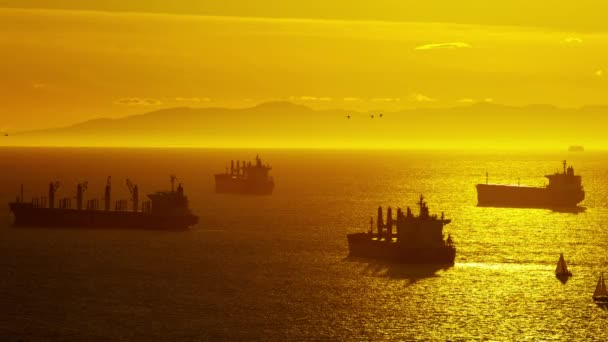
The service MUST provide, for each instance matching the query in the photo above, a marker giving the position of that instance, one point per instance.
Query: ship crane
(85, 186)
(134, 190)
(130, 186)
(53, 187)
(173, 179)
(108, 194)
(80, 189)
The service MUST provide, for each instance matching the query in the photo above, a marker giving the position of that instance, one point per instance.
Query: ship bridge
(565, 179)
(169, 202)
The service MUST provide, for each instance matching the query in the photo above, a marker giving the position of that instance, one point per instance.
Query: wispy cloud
(351, 99)
(417, 97)
(310, 98)
(453, 45)
(466, 100)
(136, 101)
(192, 99)
(469, 100)
(599, 73)
(386, 99)
(573, 40)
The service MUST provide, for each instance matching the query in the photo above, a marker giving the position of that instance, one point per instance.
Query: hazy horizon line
(446, 148)
(158, 108)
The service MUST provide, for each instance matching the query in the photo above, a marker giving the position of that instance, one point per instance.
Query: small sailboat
(600, 295)
(561, 271)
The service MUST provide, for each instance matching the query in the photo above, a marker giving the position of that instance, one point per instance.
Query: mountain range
(289, 125)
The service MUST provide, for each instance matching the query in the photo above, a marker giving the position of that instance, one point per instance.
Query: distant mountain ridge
(285, 124)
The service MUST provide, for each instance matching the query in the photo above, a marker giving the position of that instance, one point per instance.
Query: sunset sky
(67, 61)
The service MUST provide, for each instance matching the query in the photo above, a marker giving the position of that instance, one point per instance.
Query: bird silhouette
(381, 115)
(348, 117)
(372, 116)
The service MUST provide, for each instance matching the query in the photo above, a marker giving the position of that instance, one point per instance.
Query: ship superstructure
(565, 189)
(415, 239)
(245, 178)
(163, 210)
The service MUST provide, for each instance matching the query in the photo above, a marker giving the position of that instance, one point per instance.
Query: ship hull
(229, 185)
(601, 299)
(363, 245)
(28, 216)
(523, 196)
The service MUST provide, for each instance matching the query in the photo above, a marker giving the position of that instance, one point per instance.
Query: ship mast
(80, 189)
(53, 187)
(134, 190)
(108, 193)
(379, 222)
(174, 178)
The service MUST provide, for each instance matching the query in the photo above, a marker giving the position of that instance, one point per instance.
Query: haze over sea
(277, 267)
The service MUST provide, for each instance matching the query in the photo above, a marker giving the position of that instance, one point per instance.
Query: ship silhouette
(163, 210)
(417, 239)
(245, 178)
(576, 148)
(564, 190)
(561, 270)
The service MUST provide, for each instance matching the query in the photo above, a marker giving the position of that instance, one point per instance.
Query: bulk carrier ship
(564, 190)
(245, 178)
(164, 210)
(417, 239)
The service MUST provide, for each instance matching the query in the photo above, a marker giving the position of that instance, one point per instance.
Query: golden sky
(64, 61)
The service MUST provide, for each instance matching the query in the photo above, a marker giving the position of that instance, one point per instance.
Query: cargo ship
(415, 240)
(245, 178)
(576, 148)
(565, 189)
(164, 210)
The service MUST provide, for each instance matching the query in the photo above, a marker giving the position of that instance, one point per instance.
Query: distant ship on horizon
(576, 148)
(164, 210)
(564, 190)
(245, 178)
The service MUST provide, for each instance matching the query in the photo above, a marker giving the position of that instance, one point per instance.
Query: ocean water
(277, 267)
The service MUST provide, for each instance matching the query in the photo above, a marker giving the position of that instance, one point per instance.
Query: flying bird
(348, 117)
(381, 115)
(372, 116)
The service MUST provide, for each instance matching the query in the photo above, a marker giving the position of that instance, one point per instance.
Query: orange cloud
(136, 101)
(455, 45)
